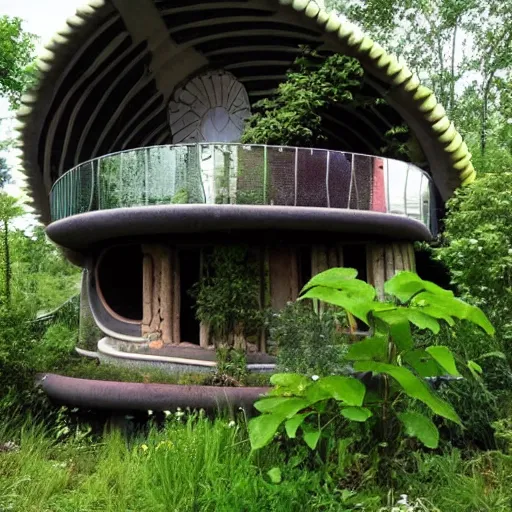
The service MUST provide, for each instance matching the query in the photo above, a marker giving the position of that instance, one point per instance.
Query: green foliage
(462, 50)
(478, 238)
(308, 342)
(292, 116)
(227, 295)
(231, 367)
(189, 465)
(411, 300)
(16, 53)
(56, 346)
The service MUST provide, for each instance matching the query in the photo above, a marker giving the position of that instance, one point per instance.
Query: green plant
(227, 295)
(477, 247)
(308, 342)
(56, 345)
(292, 116)
(231, 367)
(388, 353)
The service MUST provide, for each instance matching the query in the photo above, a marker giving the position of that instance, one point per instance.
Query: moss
(90, 369)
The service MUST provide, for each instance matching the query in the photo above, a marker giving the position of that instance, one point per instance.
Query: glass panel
(243, 174)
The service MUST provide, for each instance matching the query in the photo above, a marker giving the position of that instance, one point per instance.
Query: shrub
(227, 295)
(398, 399)
(308, 342)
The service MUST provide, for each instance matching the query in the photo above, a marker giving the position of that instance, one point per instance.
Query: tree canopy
(16, 55)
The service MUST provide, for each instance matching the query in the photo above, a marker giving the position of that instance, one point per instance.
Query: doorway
(190, 264)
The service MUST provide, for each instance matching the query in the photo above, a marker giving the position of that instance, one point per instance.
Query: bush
(307, 342)
(55, 347)
(477, 248)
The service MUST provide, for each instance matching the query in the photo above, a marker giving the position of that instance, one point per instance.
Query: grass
(196, 464)
(187, 466)
(90, 369)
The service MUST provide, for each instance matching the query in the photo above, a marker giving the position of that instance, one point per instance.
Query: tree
(5, 175)
(445, 42)
(16, 54)
(429, 35)
(9, 209)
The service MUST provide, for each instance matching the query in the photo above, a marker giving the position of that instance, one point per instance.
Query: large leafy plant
(388, 353)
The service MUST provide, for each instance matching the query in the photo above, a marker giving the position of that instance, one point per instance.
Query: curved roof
(107, 76)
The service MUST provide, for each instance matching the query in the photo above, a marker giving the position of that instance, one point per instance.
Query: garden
(393, 402)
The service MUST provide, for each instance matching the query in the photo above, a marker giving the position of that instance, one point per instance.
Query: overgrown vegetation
(307, 342)
(227, 296)
(292, 116)
(393, 403)
(191, 463)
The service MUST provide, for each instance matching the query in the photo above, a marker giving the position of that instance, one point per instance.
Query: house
(131, 145)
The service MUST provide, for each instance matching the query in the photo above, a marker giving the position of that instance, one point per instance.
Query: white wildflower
(231, 424)
(314, 377)
(150, 412)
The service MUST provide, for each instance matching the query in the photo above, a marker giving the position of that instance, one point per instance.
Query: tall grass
(193, 465)
(202, 465)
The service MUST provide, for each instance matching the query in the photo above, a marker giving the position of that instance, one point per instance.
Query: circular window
(119, 273)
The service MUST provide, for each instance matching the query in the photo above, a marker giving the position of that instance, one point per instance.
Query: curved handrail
(244, 174)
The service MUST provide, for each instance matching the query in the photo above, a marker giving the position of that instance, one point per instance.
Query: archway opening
(120, 281)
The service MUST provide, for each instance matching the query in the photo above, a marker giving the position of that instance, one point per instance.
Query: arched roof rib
(106, 78)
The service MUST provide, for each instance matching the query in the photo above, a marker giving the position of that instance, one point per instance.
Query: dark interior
(189, 275)
(120, 280)
(304, 265)
(354, 256)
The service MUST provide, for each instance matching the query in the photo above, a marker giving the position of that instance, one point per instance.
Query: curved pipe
(125, 396)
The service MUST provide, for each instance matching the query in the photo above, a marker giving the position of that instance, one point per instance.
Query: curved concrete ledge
(125, 396)
(105, 348)
(78, 232)
(87, 353)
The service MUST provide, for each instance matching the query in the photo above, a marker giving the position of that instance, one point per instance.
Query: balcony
(244, 175)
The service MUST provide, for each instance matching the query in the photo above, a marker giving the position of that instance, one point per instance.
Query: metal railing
(244, 174)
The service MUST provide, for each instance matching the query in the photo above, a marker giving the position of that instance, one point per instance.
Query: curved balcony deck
(236, 174)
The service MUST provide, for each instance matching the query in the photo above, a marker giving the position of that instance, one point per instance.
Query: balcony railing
(243, 174)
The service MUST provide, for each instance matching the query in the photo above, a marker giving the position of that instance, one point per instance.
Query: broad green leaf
(348, 389)
(262, 429)
(374, 348)
(418, 425)
(435, 312)
(351, 303)
(294, 382)
(316, 392)
(275, 475)
(412, 385)
(311, 435)
(282, 405)
(399, 328)
(294, 423)
(455, 308)
(422, 362)
(356, 413)
(421, 319)
(404, 285)
(331, 278)
(444, 357)
(475, 369)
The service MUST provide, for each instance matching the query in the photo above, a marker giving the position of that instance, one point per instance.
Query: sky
(43, 18)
